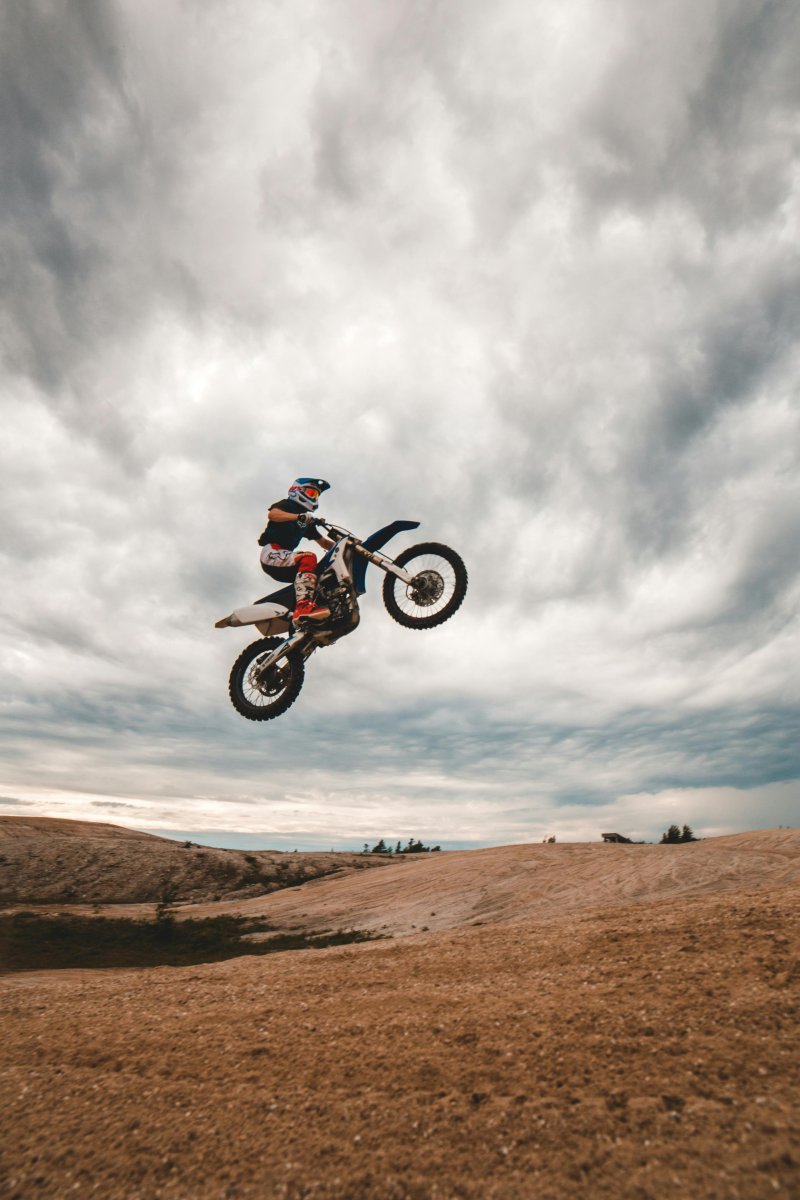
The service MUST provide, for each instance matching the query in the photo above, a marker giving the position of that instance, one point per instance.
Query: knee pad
(305, 562)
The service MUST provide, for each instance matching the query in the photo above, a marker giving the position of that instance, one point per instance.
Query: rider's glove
(306, 520)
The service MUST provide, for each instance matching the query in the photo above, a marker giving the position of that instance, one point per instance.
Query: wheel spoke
(432, 589)
(265, 690)
(260, 698)
(438, 583)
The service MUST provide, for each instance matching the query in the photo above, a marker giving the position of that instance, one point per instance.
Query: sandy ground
(577, 1020)
(517, 883)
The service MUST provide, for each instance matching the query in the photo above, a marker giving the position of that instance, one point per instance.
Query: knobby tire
(292, 667)
(396, 593)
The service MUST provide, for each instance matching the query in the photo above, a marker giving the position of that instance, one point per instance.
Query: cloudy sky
(525, 271)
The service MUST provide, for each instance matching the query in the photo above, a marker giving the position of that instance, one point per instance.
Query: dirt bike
(423, 587)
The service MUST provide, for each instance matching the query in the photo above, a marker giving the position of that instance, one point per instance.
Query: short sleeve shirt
(287, 534)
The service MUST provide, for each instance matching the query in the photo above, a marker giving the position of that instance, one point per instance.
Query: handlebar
(320, 522)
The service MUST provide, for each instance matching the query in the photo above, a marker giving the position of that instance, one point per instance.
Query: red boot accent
(309, 611)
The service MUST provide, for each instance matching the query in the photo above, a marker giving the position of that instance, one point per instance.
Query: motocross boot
(306, 608)
(309, 610)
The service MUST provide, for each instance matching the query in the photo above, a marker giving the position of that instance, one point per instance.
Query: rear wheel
(437, 589)
(259, 694)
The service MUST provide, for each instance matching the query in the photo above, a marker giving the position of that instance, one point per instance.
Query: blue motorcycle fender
(376, 541)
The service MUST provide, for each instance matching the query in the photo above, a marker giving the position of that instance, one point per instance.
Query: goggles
(312, 492)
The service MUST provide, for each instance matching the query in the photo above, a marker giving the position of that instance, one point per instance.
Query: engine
(341, 600)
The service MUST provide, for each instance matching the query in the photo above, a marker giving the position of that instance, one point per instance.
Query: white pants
(276, 556)
(305, 582)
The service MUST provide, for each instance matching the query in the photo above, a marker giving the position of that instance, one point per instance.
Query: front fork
(299, 641)
(384, 562)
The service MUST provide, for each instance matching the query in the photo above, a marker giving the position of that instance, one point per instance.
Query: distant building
(615, 837)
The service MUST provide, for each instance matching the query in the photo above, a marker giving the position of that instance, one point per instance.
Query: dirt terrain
(47, 860)
(516, 883)
(587, 1020)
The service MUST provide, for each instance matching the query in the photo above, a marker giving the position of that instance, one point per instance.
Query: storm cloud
(526, 273)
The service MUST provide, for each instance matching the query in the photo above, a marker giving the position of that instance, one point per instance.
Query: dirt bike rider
(289, 521)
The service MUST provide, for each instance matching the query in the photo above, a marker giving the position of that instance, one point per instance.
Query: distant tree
(674, 835)
(413, 846)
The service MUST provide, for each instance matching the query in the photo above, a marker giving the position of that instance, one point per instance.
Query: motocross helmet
(307, 492)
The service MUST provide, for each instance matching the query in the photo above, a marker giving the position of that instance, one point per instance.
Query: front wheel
(437, 589)
(258, 694)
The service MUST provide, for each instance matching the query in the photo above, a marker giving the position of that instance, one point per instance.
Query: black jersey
(287, 534)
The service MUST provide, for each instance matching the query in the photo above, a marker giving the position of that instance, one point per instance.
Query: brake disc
(426, 588)
(268, 682)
